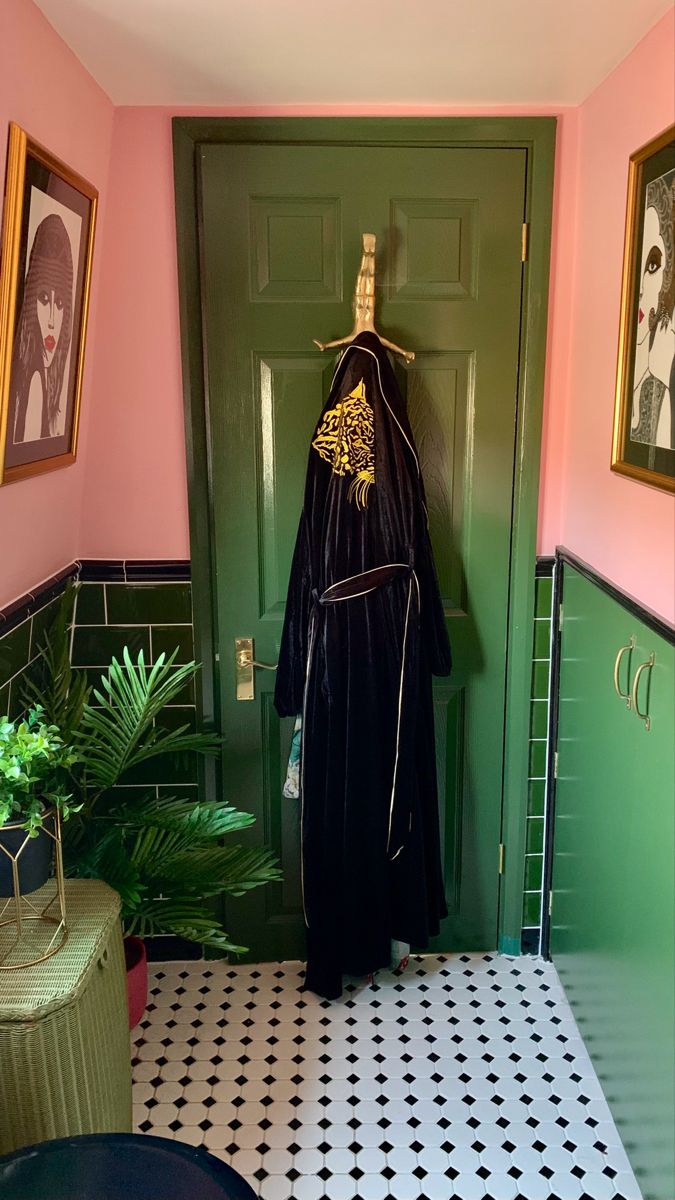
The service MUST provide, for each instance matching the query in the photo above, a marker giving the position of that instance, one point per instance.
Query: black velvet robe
(363, 633)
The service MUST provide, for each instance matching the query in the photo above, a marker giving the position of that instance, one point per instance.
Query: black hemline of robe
(364, 631)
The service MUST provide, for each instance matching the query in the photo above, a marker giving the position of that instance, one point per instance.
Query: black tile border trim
(134, 570)
(17, 612)
(648, 617)
(94, 570)
(543, 568)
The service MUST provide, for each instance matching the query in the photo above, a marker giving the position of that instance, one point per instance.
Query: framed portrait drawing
(644, 414)
(45, 272)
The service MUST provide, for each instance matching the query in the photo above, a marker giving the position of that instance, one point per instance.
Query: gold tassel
(359, 488)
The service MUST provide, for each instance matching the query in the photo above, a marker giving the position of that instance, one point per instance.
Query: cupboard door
(612, 929)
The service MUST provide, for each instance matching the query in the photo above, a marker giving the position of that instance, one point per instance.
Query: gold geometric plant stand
(33, 925)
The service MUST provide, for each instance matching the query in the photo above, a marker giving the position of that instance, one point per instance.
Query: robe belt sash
(351, 588)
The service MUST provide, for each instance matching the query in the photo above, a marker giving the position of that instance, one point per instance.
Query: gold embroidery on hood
(346, 439)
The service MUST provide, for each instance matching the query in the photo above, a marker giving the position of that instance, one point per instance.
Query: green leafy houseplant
(34, 771)
(164, 855)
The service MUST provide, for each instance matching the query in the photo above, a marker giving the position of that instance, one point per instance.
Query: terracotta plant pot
(137, 978)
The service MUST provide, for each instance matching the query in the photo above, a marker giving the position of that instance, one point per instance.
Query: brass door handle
(643, 667)
(617, 667)
(244, 662)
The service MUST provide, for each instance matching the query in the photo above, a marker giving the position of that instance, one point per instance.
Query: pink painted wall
(45, 89)
(135, 501)
(626, 530)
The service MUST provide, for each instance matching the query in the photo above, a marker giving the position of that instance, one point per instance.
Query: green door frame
(535, 135)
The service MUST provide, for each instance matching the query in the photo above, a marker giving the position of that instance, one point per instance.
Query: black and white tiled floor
(466, 1077)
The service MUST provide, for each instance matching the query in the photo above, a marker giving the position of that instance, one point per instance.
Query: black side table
(119, 1166)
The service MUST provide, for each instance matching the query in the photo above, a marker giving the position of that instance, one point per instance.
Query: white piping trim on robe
(310, 653)
(413, 578)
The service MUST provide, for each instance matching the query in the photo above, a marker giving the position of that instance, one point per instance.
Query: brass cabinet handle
(643, 667)
(617, 667)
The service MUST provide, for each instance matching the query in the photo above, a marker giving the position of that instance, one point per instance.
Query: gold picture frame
(643, 444)
(48, 228)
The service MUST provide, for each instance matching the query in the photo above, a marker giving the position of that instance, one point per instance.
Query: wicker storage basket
(65, 1065)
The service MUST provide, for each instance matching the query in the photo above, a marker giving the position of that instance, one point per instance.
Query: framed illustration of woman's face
(45, 272)
(644, 415)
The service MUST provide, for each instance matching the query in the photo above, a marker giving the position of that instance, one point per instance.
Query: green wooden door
(281, 243)
(612, 927)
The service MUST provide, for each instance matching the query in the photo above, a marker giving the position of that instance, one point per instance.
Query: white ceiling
(358, 52)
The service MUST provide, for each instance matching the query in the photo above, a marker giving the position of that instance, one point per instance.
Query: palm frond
(154, 848)
(121, 732)
(61, 691)
(202, 820)
(106, 858)
(164, 855)
(184, 917)
(209, 871)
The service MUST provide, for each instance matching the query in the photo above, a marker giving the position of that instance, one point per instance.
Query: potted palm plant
(164, 855)
(34, 770)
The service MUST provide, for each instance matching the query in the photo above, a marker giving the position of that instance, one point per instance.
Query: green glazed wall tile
(531, 908)
(537, 760)
(149, 604)
(166, 638)
(93, 675)
(14, 650)
(41, 623)
(16, 706)
(534, 841)
(537, 750)
(534, 865)
(538, 719)
(173, 717)
(543, 596)
(542, 637)
(36, 672)
(540, 680)
(96, 646)
(90, 605)
(166, 769)
(536, 792)
(184, 791)
(187, 694)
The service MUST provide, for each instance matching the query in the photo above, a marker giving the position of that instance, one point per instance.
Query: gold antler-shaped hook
(364, 304)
